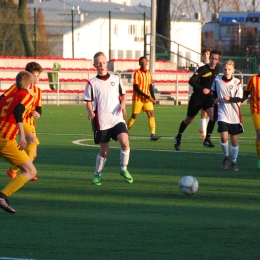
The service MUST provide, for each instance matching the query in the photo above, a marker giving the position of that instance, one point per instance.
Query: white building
(120, 36)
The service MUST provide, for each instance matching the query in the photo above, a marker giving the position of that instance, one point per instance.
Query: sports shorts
(256, 121)
(30, 129)
(137, 106)
(104, 136)
(198, 102)
(10, 152)
(232, 129)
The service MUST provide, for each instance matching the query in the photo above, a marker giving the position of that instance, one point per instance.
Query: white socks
(224, 147)
(100, 163)
(124, 158)
(234, 151)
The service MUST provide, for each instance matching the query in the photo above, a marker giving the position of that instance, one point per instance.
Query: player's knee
(134, 116)
(31, 139)
(104, 154)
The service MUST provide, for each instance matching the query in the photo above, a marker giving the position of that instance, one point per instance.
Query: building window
(138, 54)
(120, 54)
(132, 29)
(113, 54)
(129, 54)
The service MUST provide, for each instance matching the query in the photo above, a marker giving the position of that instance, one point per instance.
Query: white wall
(93, 37)
(187, 34)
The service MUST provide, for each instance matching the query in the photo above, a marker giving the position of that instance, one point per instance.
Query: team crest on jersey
(230, 86)
(112, 83)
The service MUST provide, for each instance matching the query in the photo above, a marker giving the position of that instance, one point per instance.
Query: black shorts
(198, 102)
(104, 136)
(232, 129)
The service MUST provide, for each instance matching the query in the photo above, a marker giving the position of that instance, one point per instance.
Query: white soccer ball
(188, 185)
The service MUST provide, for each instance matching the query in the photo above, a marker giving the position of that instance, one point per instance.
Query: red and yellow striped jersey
(144, 80)
(37, 101)
(253, 86)
(8, 126)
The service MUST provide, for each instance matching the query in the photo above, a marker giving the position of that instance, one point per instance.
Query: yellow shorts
(9, 151)
(256, 121)
(137, 106)
(30, 129)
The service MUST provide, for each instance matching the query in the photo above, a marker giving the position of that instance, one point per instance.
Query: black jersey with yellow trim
(203, 78)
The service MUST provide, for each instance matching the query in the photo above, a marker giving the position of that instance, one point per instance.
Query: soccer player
(105, 102)
(143, 97)
(29, 122)
(201, 98)
(14, 109)
(203, 114)
(253, 89)
(226, 89)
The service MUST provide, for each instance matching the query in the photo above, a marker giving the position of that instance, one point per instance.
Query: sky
(146, 2)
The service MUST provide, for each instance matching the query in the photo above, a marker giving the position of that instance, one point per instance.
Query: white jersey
(199, 65)
(105, 95)
(227, 111)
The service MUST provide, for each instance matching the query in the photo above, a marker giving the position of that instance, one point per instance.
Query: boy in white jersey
(227, 89)
(105, 102)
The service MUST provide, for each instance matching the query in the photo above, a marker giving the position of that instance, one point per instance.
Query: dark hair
(215, 52)
(142, 58)
(33, 66)
(205, 50)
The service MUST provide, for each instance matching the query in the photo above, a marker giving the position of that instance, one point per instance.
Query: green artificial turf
(64, 216)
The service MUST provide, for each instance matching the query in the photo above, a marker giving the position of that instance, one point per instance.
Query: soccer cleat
(34, 179)
(200, 130)
(127, 176)
(208, 143)
(234, 166)
(10, 173)
(155, 138)
(225, 163)
(177, 144)
(258, 164)
(96, 180)
(4, 205)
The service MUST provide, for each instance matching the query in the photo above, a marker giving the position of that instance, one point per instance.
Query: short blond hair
(100, 53)
(229, 62)
(24, 79)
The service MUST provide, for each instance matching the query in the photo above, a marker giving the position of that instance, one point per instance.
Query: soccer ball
(188, 185)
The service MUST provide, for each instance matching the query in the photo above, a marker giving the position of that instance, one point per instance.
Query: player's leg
(234, 147)
(203, 124)
(211, 124)
(31, 149)
(194, 107)
(120, 133)
(136, 109)
(14, 156)
(149, 109)
(101, 159)
(256, 121)
(223, 130)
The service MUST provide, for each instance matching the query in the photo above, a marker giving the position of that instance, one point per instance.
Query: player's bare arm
(122, 105)
(22, 141)
(89, 107)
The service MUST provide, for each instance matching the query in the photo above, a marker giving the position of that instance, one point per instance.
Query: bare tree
(24, 28)
(43, 46)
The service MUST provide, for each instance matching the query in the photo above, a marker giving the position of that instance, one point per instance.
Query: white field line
(80, 142)
(13, 258)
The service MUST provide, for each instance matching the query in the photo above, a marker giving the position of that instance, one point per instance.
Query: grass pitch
(64, 216)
